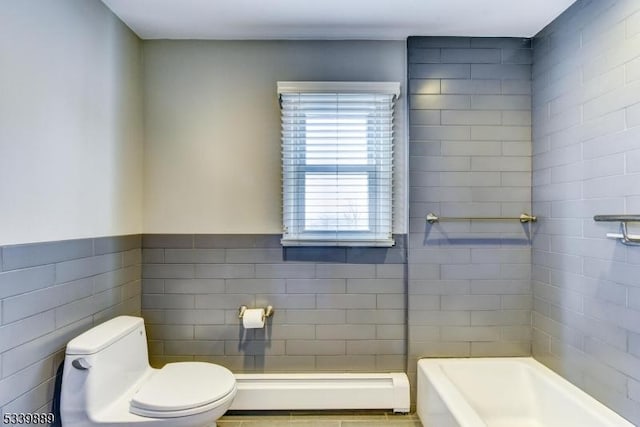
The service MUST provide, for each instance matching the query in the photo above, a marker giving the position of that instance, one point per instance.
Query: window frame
(310, 237)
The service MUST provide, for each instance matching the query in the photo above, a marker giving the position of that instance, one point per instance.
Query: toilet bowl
(107, 381)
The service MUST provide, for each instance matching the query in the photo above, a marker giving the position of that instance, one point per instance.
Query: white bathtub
(504, 392)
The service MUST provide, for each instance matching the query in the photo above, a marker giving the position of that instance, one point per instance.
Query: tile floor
(319, 419)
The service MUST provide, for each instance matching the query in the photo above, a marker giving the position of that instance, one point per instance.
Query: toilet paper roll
(253, 318)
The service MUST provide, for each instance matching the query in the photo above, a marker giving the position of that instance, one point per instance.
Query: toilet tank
(110, 359)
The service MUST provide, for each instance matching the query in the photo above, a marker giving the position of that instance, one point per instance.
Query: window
(337, 163)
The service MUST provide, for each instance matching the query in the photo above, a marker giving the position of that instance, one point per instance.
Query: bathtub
(504, 392)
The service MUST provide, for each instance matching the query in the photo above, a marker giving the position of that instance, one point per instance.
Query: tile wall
(469, 155)
(336, 309)
(586, 104)
(49, 293)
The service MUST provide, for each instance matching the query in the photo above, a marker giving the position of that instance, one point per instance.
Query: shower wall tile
(51, 292)
(469, 289)
(335, 308)
(585, 134)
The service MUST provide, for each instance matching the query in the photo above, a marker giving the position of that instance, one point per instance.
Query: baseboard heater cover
(322, 391)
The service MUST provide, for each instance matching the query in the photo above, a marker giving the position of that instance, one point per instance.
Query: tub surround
(585, 163)
(469, 155)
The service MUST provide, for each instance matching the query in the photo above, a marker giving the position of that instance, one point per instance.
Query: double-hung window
(337, 163)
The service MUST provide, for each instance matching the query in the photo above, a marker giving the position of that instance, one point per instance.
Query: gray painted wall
(586, 100)
(337, 309)
(212, 126)
(49, 293)
(469, 155)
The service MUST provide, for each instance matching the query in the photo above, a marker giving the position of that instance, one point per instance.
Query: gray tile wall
(470, 155)
(336, 309)
(51, 292)
(586, 151)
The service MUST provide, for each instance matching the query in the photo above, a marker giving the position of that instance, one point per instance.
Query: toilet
(107, 381)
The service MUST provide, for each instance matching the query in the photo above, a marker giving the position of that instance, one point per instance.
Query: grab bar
(625, 238)
(523, 218)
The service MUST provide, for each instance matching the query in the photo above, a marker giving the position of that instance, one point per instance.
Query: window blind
(337, 163)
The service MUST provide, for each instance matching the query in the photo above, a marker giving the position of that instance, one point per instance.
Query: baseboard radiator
(322, 391)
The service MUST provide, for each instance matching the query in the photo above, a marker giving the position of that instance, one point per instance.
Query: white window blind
(337, 163)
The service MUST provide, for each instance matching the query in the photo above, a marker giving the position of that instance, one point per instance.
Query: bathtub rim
(432, 368)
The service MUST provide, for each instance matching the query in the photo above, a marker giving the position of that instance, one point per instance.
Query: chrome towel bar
(625, 237)
(523, 218)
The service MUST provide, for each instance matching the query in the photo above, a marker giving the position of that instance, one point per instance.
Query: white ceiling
(334, 19)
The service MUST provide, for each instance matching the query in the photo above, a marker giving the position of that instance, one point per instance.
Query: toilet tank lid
(103, 335)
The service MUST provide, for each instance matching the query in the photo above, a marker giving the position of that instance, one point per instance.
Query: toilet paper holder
(268, 312)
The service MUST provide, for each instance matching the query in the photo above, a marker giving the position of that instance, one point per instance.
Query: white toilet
(107, 381)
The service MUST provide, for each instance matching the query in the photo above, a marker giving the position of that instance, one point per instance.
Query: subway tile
(165, 241)
(107, 245)
(346, 363)
(376, 347)
(287, 271)
(249, 286)
(516, 87)
(424, 56)
(311, 254)
(26, 280)
(472, 56)
(501, 42)
(32, 303)
(194, 256)
(439, 102)
(168, 271)
(346, 301)
(153, 256)
(315, 286)
(366, 316)
(22, 331)
(445, 133)
(189, 286)
(193, 317)
(438, 42)
(168, 301)
(224, 271)
(172, 332)
(375, 286)
(395, 255)
(390, 271)
(501, 102)
(470, 87)
(287, 332)
(468, 117)
(345, 271)
(34, 254)
(517, 56)
(32, 351)
(424, 86)
(283, 301)
(315, 348)
(501, 71)
(424, 117)
(345, 332)
(500, 349)
(391, 301)
(194, 348)
(470, 333)
(316, 317)
(84, 267)
(470, 302)
(439, 71)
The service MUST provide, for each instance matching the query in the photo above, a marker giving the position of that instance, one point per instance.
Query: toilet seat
(182, 389)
